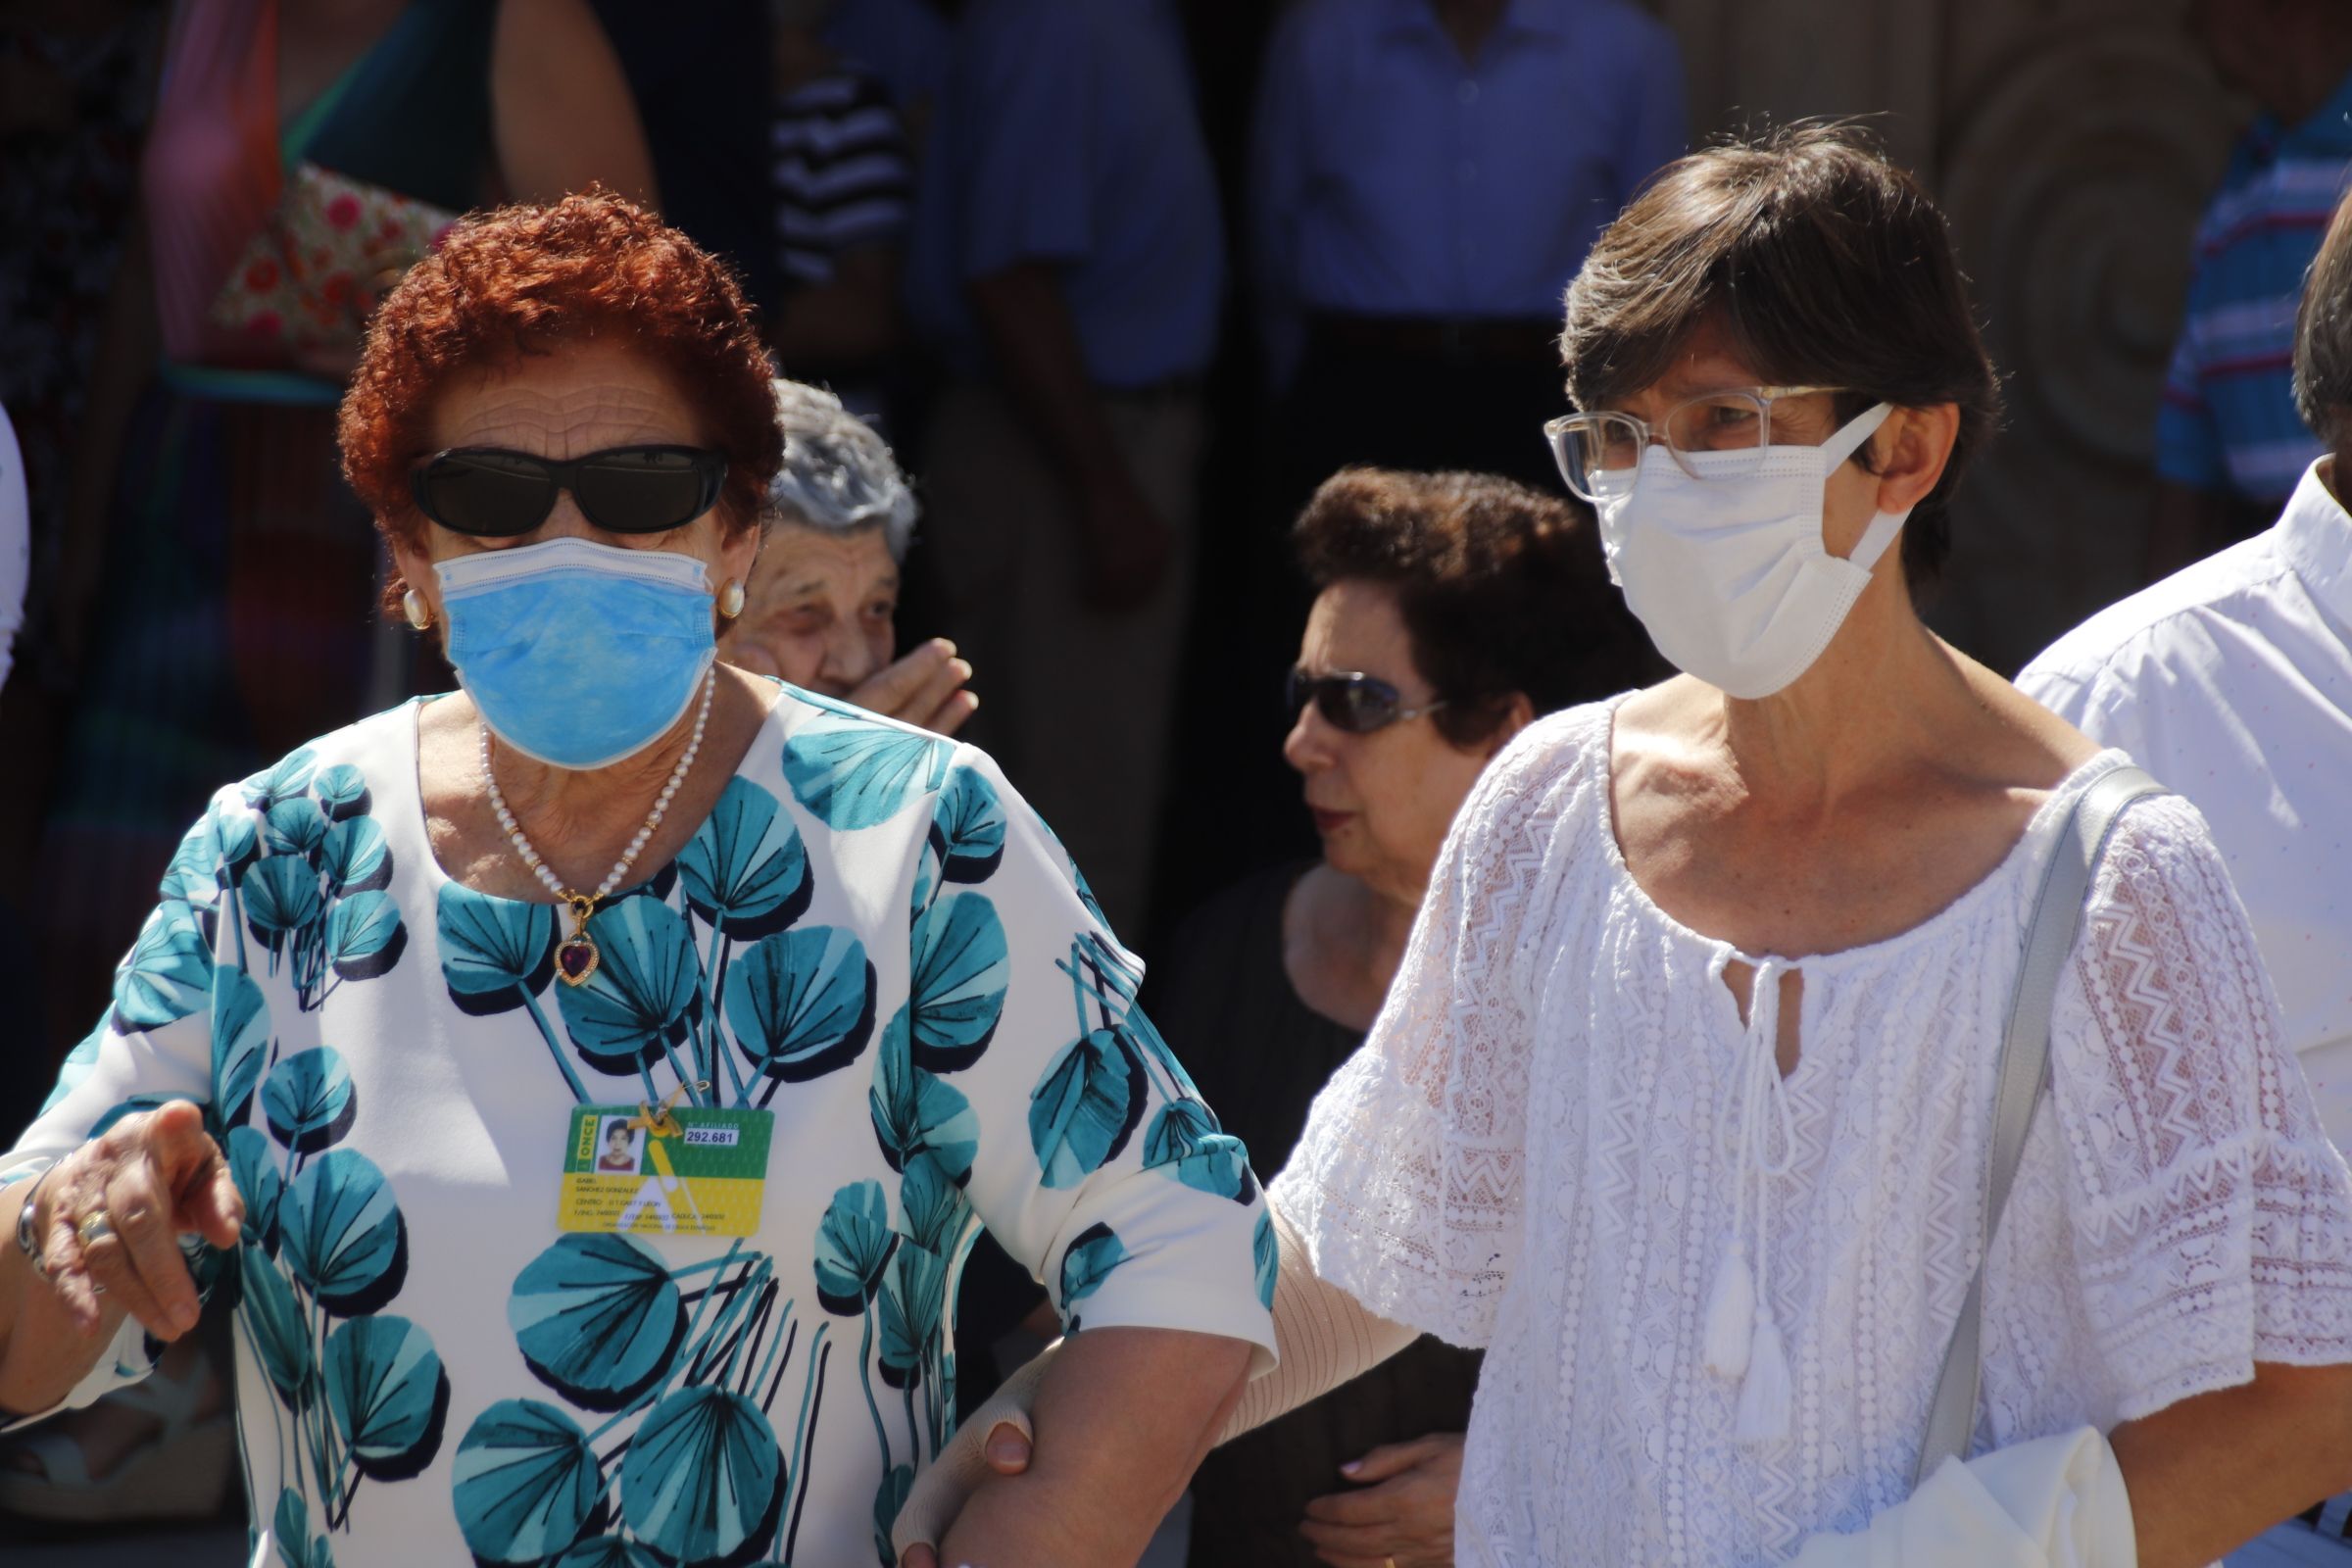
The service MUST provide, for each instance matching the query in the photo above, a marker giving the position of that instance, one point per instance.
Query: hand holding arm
(1402, 1513)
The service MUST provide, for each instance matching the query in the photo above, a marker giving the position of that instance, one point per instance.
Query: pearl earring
(730, 600)
(419, 613)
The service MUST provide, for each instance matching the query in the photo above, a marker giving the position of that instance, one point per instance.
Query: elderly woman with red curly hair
(822, 983)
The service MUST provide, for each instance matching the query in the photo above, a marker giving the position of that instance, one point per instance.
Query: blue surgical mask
(578, 654)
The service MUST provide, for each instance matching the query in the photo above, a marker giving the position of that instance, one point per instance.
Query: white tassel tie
(1742, 1339)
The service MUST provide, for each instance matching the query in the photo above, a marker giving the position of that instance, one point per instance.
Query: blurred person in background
(218, 588)
(906, 44)
(2232, 680)
(1069, 264)
(842, 189)
(820, 608)
(1450, 611)
(2229, 447)
(1426, 177)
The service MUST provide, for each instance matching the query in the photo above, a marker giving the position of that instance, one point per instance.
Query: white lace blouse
(1538, 1150)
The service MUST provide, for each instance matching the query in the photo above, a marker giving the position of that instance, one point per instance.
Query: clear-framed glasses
(1601, 454)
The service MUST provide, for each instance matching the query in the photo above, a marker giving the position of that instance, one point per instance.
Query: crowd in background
(1121, 298)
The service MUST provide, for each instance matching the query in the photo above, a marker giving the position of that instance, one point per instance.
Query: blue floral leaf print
(281, 1340)
(889, 1498)
(1086, 895)
(287, 779)
(1268, 1256)
(296, 1547)
(609, 1551)
(957, 990)
(294, 828)
(524, 1480)
(147, 1100)
(386, 1393)
(597, 1319)
(854, 1243)
(282, 901)
(640, 1001)
(745, 868)
(1085, 1265)
(859, 772)
(169, 972)
(916, 1115)
(914, 1299)
(341, 1232)
(239, 837)
(1148, 1039)
(1086, 1105)
(308, 1100)
(1184, 1140)
(967, 827)
(342, 790)
(78, 1063)
(254, 1168)
(702, 1479)
(240, 1043)
(801, 1003)
(365, 937)
(494, 951)
(934, 1206)
(191, 873)
(353, 856)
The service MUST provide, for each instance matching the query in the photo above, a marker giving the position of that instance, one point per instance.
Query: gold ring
(95, 1227)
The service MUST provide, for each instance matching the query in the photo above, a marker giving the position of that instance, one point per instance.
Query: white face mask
(1729, 575)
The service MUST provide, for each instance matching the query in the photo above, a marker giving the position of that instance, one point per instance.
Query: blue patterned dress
(871, 937)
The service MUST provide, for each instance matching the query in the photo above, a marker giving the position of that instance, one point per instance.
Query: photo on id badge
(622, 1149)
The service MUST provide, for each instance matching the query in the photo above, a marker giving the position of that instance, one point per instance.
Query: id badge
(688, 1171)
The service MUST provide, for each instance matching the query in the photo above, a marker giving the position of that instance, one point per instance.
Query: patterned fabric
(2229, 422)
(871, 937)
(843, 177)
(312, 274)
(1536, 1152)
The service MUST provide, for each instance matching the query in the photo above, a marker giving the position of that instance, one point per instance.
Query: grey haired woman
(822, 604)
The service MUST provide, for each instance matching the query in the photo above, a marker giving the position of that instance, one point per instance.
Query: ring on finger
(95, 1227)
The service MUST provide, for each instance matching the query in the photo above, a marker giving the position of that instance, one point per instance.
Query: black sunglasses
(1353, 702)
(492, 493)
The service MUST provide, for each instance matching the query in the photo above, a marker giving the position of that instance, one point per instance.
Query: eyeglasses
(1353, 702)
(1601, 454)
(492, 493)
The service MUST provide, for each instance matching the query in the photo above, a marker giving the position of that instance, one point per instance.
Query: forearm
(1132, 1412)
(44, 1352)
(2209, 1474)
(1035, 346)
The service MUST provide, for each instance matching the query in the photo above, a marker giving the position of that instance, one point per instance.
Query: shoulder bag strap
(2025, 1073)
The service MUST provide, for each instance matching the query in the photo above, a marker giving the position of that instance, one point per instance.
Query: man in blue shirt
(1426, 177)
(2229, 446)
(1068, 264)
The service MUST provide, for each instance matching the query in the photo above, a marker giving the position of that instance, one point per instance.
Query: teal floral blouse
(871, 937)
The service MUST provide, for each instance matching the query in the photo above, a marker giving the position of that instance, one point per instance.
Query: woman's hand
(1403, 1515)
(925, 689)
(138, 1187)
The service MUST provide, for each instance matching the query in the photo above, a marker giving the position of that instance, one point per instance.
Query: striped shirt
(2227, 421)
(843, 177)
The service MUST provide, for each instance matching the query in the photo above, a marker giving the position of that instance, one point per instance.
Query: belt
(1488, 340)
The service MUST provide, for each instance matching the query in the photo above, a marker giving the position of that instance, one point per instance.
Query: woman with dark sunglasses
(1820, 1188)
(832, 974)
(1452, 610)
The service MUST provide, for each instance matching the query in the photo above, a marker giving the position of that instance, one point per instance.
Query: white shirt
(1536, 1152)
(2232, 682)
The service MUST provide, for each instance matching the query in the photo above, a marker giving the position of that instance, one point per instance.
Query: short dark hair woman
(1680, 1104)
(844, 982)
(1450, 611)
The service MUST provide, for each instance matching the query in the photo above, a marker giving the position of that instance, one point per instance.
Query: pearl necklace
(577, 960)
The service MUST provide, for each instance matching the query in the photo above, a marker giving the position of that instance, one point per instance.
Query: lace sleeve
(1406, 1185)
(2211, 1218)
